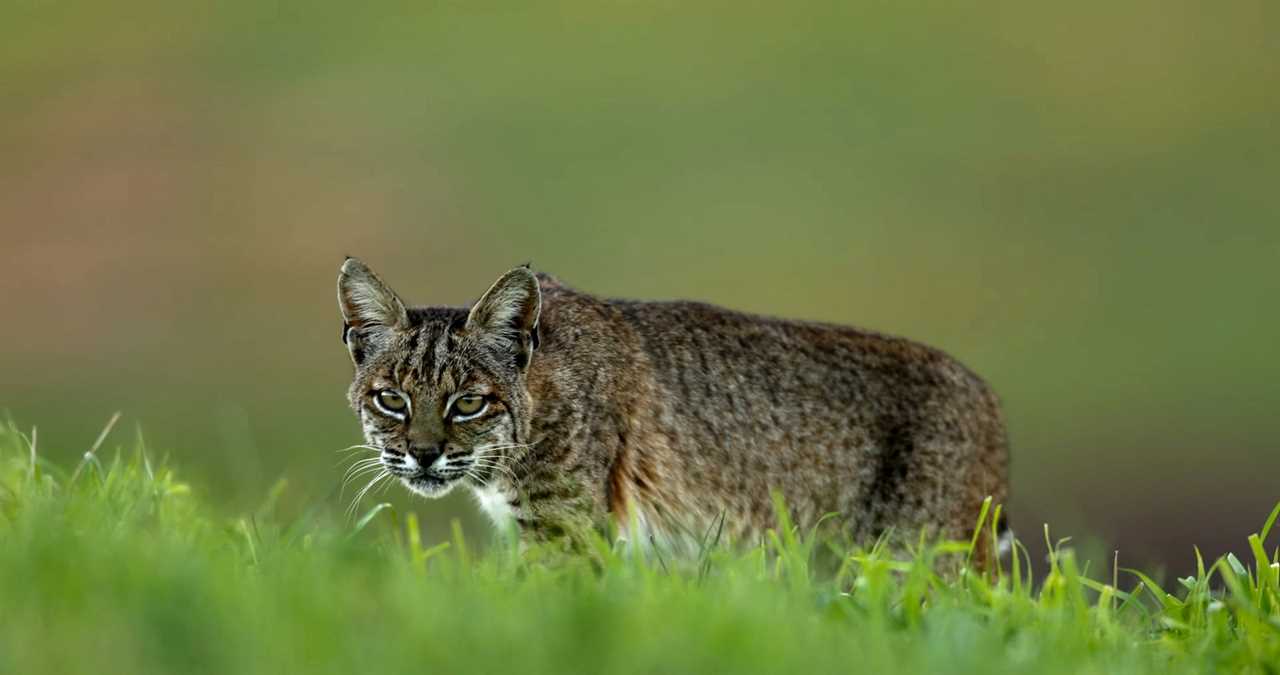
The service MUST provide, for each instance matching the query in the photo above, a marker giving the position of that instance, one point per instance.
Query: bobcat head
(441, 391)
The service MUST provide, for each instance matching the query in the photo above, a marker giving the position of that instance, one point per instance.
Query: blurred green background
(1079, 200)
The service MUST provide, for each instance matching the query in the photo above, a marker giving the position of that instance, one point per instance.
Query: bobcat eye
(391, 402)
(468, 406)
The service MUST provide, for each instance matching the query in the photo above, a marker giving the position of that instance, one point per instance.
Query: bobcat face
(441, 392)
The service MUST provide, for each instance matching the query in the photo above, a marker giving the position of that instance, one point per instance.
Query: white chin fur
(431, 489)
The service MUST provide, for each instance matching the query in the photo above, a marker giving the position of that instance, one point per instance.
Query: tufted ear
(371, 311)
(507, 315)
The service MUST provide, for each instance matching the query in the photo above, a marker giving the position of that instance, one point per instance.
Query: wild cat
(566, 413)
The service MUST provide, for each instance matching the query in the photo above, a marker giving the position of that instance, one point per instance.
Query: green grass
(115, 565)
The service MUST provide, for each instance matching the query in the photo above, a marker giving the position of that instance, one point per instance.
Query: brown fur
(669, 415)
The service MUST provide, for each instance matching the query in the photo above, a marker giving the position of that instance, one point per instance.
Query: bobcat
(565, 413)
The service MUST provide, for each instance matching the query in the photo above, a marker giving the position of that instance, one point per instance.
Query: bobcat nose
(425, 456)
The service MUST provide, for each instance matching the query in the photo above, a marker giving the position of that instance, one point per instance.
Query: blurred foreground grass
(116, 566)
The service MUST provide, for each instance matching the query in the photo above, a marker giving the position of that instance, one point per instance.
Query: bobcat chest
(496, 504)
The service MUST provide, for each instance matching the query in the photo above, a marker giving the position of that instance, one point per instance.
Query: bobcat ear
(507, 314)
(371, 311)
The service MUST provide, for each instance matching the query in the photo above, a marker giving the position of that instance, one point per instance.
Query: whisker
(503, 446)
(494, 467)
(385, 483)
(491, 464)
(360, 464)
(492, 459)
(351, 510)
(473, 475)
(362, 472)
(358, 460)
(490, 453)
(359, 446)
(521, 457)
(357, 468)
